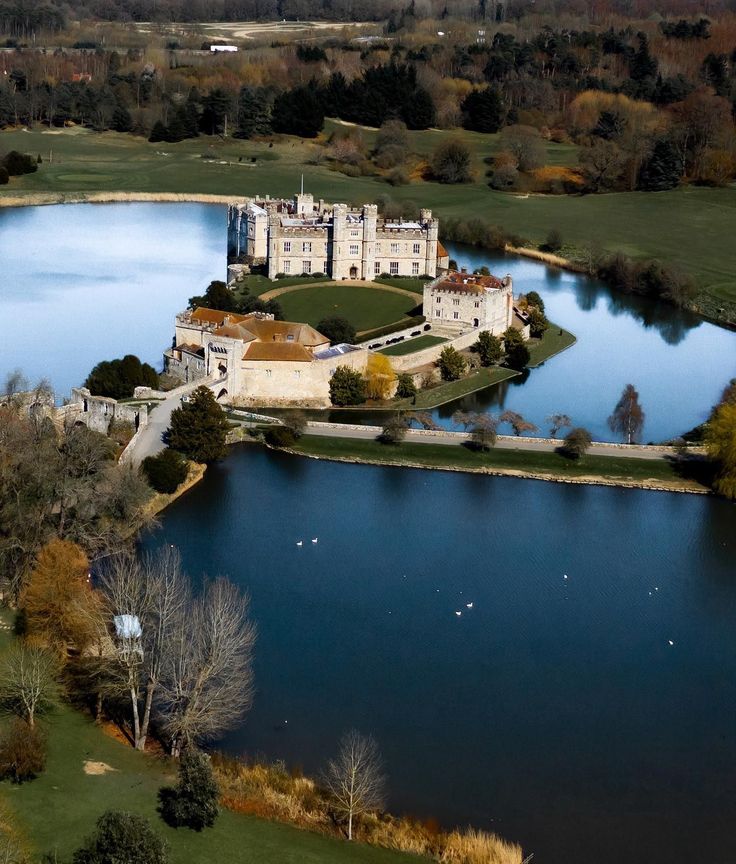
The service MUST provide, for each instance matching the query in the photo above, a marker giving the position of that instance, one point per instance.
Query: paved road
(504, 442)
(149, 442)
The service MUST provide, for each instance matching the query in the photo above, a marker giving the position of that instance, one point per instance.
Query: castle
(455, 301)
(297, 236)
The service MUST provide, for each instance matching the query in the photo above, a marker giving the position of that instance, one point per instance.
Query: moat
(555, 711)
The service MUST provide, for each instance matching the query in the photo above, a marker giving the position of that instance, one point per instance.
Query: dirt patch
(97, 768)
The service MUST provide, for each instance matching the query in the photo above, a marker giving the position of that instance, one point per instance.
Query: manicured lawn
(457, 456)
(364, 307)
(408, 283)
(451, 390)
(57, 810)
(258, 284)
(555, 339)
(411, 345)
(690, 227)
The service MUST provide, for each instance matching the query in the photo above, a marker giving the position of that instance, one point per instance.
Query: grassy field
(554, 340)
(457, 456)
(451, 390)
(57, 810)
(690, 227)
(408, 283)
(365, 308)
(411, 345)
(257, 284)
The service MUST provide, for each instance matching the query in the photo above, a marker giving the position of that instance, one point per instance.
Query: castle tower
(339, 259)
(370, 223)
(432, 232)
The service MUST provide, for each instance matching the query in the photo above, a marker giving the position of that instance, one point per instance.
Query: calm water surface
(555, 711)
(88, 282)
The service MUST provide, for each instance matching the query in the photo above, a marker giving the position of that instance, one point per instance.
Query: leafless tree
(355, 779)
(28, 681)
(627, 419)
(423, 419)
(124, 586)
(170, 597)
(483, 433)
(557, 422)
(206, 682)
(517, 422)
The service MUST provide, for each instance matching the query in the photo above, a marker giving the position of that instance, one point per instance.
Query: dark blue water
(88, 282)
(555, 711)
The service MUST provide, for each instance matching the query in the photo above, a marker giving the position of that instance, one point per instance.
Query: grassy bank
(554, 340)
(57, 810)
(693, 224)
(412, 345)
(432, 397)
(657, 473)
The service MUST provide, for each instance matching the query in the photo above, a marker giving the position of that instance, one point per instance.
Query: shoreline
(685, 487)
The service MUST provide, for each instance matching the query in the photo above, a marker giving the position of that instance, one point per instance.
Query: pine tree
(193, 802)
(199, 428)
(483, 110)
(662, 169)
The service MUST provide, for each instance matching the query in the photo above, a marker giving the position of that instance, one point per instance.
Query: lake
(555, 711)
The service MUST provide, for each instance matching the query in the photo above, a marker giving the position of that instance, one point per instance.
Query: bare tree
(354, 779)
(170, 597)
(627, 419)
(483, 433)
(206, 683)
(517, 422)
(557, 422)
(128, 599)
(28, 684)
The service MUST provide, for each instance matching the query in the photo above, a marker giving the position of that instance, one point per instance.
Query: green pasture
(55, 812)
(691, 227)
(409, 346)
(364, 307)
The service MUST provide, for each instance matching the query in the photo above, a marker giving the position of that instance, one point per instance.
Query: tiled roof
(280, 331)
(290, 351)
(191, 349)
(215, 316)
(468, 283)
(441, 251)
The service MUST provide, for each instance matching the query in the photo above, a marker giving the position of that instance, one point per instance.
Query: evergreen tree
(483, 110)
(119, 378)
(199, 428)
(193, 802)
(642, 65)
(452, 364)
(254, 112)
(217, 108)
(347, 387)
(662, 169)
(488, 348)
(121, 119)
(158, 133)
(517, 353)
(122, 838)
(298, 112)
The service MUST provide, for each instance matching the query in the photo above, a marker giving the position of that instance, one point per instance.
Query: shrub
(337, 330)
(16, 163)
(22, 752)
(576, 443)
(166, 471)
(451, 162)
(119, 378)
(347, 387)
(553, 243)
(122, 838)
(451, 363)
(405, 386)
(280, 436)
(192, 803)
(488, 347)
(398, 177)
(394, 430)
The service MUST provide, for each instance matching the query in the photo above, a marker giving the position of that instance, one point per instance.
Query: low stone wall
(404, 362)
(99, 412)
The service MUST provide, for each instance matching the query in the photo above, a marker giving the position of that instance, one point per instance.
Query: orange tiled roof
(441, 251)
(216, 316)
(290, 351)
(280, 331)
(468, 283)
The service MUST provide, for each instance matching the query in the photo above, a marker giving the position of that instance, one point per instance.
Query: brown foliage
(22, 752)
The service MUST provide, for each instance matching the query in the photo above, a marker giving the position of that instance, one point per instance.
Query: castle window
(287, 266)
(456, 315)
(439, 299)
(287, 246)
(395, 248)
(297, 373)
(477, 304)
(377, 268)
(306, 266)
(307, 246)
(417, 249)
(414, 268)
(355, 233)
(268, 373)
(393, 268)
(437, 313)
(354, 249)
(455, 302)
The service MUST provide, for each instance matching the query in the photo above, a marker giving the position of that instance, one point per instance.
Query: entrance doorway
(353, 272)
(476, 322)
(222, 369)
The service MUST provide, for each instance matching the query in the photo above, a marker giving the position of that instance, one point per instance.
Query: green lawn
(690, 227)
(451, 390)
(57, 810)
(554, 340)
(258, 284)
(457, 456)
(365, 308)
(408, 283)
(411, 345)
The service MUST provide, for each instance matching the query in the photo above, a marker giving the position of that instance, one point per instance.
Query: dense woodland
(649, 102)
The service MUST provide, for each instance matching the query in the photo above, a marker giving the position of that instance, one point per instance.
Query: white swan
(458, 614)
(468, 605)
(315, 539)
(299, 542)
